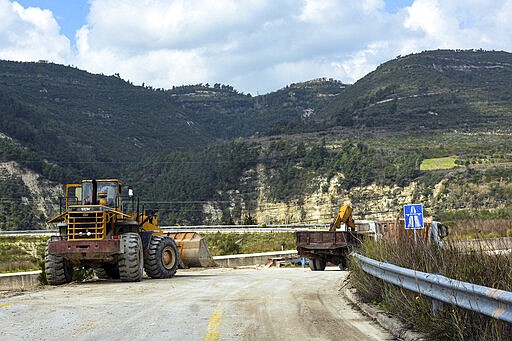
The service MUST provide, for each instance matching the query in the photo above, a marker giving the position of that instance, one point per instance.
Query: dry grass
(221, 244)
(450, 322)
(21, 253)
(480, 228)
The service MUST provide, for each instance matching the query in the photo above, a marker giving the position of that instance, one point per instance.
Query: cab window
(87, 193)
(110, 190)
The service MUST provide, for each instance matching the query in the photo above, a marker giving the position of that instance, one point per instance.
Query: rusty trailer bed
(326, 239)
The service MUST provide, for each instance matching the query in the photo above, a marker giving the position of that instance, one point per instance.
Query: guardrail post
(435, 306)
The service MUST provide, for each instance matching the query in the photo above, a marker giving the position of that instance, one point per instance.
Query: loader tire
(107, 272)
(131, 261)
(162, 257)
(58, 270)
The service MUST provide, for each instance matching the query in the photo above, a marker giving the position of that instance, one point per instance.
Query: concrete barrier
(486, 244)
(19, 280)
(28, 280)
(235, 261)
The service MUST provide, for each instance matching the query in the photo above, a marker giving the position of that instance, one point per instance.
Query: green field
(438, 163)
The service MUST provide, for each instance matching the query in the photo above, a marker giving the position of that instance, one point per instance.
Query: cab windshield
(108, 188)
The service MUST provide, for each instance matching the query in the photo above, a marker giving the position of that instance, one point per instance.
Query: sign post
(413, 217)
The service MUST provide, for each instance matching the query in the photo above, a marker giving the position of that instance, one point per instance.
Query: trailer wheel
(343, 264)
(58, 270)
(320, 264)
(131, 261)
(107, 272)
(317, 264)
(312, 264)
(162, 258)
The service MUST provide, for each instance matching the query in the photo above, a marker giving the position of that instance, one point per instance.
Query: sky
(256, 46)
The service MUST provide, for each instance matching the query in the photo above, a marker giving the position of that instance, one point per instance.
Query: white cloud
(29, 34)
(460, 24)
(174, 24)
(359, 62)
(426, 15)
(254, 45)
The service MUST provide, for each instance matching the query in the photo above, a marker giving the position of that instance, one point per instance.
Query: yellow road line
(5, 305)
(213, 329)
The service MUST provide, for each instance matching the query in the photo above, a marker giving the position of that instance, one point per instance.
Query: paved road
(212, 304)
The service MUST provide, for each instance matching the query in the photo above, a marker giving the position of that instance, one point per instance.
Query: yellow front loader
(102, 230)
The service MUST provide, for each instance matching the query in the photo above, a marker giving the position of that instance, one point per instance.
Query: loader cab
(101, 192)
(94, 192)
(73, 195)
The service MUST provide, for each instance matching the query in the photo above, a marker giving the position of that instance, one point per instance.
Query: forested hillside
(71, 116)
(208, 153)
(441, 89)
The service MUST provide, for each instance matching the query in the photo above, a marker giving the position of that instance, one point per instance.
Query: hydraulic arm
(345, 217)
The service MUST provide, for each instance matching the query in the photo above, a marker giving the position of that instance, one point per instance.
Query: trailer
(331, 246)
(321, 247)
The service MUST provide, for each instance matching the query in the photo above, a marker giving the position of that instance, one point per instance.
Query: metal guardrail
(271, 228)
(491, 302)
(30, 233)
(246, 226)
(232, 229)
(195, 228)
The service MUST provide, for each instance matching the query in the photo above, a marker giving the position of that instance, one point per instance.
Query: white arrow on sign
(414, 219)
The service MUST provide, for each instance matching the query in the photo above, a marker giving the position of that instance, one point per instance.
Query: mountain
(68, 115)
(441, 89)
(59, 110)
(208, 153)
(227, 114)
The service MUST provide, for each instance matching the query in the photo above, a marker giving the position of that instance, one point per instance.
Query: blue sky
(70, 14)
(394, 6)
(255, 46)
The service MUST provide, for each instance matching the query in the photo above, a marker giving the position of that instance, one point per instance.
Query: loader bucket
(193, 249)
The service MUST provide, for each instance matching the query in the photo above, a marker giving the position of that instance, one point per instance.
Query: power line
(149, 162)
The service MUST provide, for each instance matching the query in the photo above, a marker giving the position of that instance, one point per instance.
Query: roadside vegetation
(21, 253)
(221, 244)
(480, 224)
(448, 322)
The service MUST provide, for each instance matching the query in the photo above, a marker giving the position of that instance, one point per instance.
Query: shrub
(449, 322)
(233, 243)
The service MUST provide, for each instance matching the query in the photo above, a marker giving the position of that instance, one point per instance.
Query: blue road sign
(413, 215)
